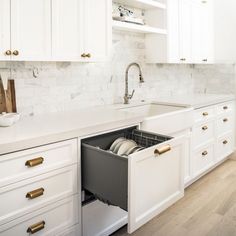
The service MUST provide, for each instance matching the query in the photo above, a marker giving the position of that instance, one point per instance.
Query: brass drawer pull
(83, 55)
(88, 55)
(36, 227)
(204, 128)
(225, 142)
(225, 120)
(35, 193)
(205, 60)
(205, 114)
(34, 162)
(183, 59)
(8, 53)
(204, 153)
(162, 150)
(225, 107)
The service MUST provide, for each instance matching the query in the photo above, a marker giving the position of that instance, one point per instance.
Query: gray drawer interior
(105, 174)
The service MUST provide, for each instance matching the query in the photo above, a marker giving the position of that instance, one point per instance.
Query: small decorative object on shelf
(126, 15)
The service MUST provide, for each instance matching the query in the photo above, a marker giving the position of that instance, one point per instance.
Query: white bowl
(8, 119)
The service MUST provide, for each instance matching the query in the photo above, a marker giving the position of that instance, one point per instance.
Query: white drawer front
(203, 159)
(204, 114)
(53, 156)
(225, 107)
(203, 134)
(224, 146)
(155, 181)
(224, 124)
(57, 217)
(31, 194)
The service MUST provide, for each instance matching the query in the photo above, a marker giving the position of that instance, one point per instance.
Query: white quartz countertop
(196, 100)
(43, 129)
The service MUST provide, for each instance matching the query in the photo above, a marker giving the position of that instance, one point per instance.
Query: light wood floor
(208, 208)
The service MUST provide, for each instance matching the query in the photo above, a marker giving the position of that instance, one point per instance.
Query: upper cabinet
(190, 34)
(81, 30)
(202, 31)
(55, 30)
(5, 44)
(30, 30)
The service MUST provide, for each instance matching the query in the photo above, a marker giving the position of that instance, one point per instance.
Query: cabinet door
(202, 31)
(31, 29)
(5, 44)
(185, 27)
(155, 181)
(67, 35)
(97, 29)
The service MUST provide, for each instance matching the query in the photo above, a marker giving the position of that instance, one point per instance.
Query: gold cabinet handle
(205, 60)
(204, 153)
(83, 55)
(15, 53)
(88, 55)
(205, 114)
(36, 227)
(183, 59)
(8, 53)
(225, 142)
(225, 107)
(204, 128)
(34, 162)
(225, 120)
(162, 150)
(35, 193)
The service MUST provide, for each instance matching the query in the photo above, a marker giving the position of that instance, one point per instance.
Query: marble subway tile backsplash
(62, 86)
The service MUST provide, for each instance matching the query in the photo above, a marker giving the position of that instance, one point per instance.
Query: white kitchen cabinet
(185, 31)
(202, 31)
(97, 29)
(81, 30)
(67, 30)
(31, 30)
(5, 45)
(144, 183)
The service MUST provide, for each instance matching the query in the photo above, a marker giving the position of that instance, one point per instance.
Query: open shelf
(142, 4)
(137, 28)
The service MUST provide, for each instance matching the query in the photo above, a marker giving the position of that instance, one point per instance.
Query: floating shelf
(142, 4)
(137, 28)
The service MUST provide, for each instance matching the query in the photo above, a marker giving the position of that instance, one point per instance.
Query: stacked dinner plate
(124, 147)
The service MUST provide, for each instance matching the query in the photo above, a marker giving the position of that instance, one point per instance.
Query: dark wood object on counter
(8, 97)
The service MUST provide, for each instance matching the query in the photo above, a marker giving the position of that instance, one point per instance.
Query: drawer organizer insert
(105, 174)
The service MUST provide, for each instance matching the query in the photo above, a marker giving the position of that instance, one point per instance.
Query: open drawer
(144, 183)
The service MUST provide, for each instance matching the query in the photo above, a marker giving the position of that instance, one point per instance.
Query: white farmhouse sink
(162, 118)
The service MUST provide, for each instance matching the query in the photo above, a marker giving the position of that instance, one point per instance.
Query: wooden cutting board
(3, 106)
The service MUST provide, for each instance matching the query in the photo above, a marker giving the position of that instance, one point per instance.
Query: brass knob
(205, 60)
(225, 120)
(183, 59)
(15, 53)
(225, 107)
(34, 162)
(8, 53)
(88, 55)
(225, 142)
(204, 128)
(205, 114)
(35, 193)
(36, 227)
(204, 153)
(83, 55)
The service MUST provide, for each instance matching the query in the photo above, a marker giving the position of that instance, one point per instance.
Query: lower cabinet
(144, 183)
(48, 221)
(213, 137)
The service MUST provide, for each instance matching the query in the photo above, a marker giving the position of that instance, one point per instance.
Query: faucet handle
(130, 96)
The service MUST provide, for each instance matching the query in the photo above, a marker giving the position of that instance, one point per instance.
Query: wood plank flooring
(208, 208)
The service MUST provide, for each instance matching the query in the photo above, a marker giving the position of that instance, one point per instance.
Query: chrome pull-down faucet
(128, 96)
